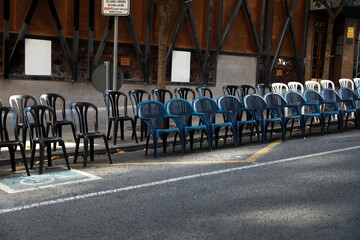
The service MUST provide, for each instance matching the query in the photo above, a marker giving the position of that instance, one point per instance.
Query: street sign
(115, 7)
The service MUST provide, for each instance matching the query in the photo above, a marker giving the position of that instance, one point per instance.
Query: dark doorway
(318, 54)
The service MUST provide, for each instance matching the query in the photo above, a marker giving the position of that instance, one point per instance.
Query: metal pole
(116, 33)
(107, 86)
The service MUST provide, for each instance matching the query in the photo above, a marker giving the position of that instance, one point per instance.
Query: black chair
(20, 102)
(37, 115)
(137, 96)
(233, 90)
(114, 101)
(184, 93)
(204, 91)
(5, 138)
(263, 89)
(161, 95)
(245, 90)
(54, 101)
(80, 113)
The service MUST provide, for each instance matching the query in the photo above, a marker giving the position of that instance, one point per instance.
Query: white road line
(101, 193)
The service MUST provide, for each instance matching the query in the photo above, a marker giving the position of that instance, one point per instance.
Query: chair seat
(171, 130)
(48, 139)
(194, 128)
(10, 143)
(91, 135)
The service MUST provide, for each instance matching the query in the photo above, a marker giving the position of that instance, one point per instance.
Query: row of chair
(38, 119)
(180, 110)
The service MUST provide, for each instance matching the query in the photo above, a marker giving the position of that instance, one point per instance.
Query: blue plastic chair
(153, 113)
(350, 100)
(258, 105)
(296, 99)
(314, 97)
(236, 108)
(183, 108)
(358, 90)
(211, 109)
(332, 100)
(274, 99)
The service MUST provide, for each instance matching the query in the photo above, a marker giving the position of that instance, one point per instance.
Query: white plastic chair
(281, 88)
(313, 85)
(327, 84)
(295, 86)
(346, 82)
(357, 82)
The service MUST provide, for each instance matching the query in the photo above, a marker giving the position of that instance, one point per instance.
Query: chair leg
(12, 158)
(76, 149)
(191, 135)
(155, 143)
(107, 149)
(91, 140)
(263, 130)
(73, 131)
(133, 124)
(147, 144)
(257, 132)
(347, 119)
(328, 123)
(251, 133)
(272, 128)
(62, 144)
(48, 149)
(86, 143)
(122, 129)
(164, 142)
(109, 129)
(175, 137)
(115, 130)
(217, 130)
(311, 123)
(32, 156)
(41, 161)
(22, 149)
(292, 127)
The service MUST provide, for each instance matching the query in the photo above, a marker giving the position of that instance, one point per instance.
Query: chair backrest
(294, 98)
(347, 93)
(255, 102)
(20, 102)
(81, 112)
(233, 90)
(161, 95)
(153, 110)
(296, 86)
(346, 82)
(274, 99)
(313, 85)
(206, 105)
(280, 87)
(245, 90)
(184, 93)
(357, 82)
(231, 104)
(263, 88)
(204, 91)
(5, 112)
(38, 116)
(137, 96)
(313, 96)
(330, 94)
(327, 84)
(180, 107)
(51, 100)
(115, 101)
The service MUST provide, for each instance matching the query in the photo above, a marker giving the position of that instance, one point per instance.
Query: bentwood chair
(37, 116)
(11, 141)
(117, 111)
(81, 112)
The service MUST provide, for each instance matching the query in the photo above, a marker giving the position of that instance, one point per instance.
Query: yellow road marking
(252, 158)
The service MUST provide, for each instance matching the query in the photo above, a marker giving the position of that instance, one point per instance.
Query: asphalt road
(298, 189)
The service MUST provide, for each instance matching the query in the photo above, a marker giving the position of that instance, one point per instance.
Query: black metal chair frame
(79, 113)
(38, 116)
(112, 100)
(5, 139)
